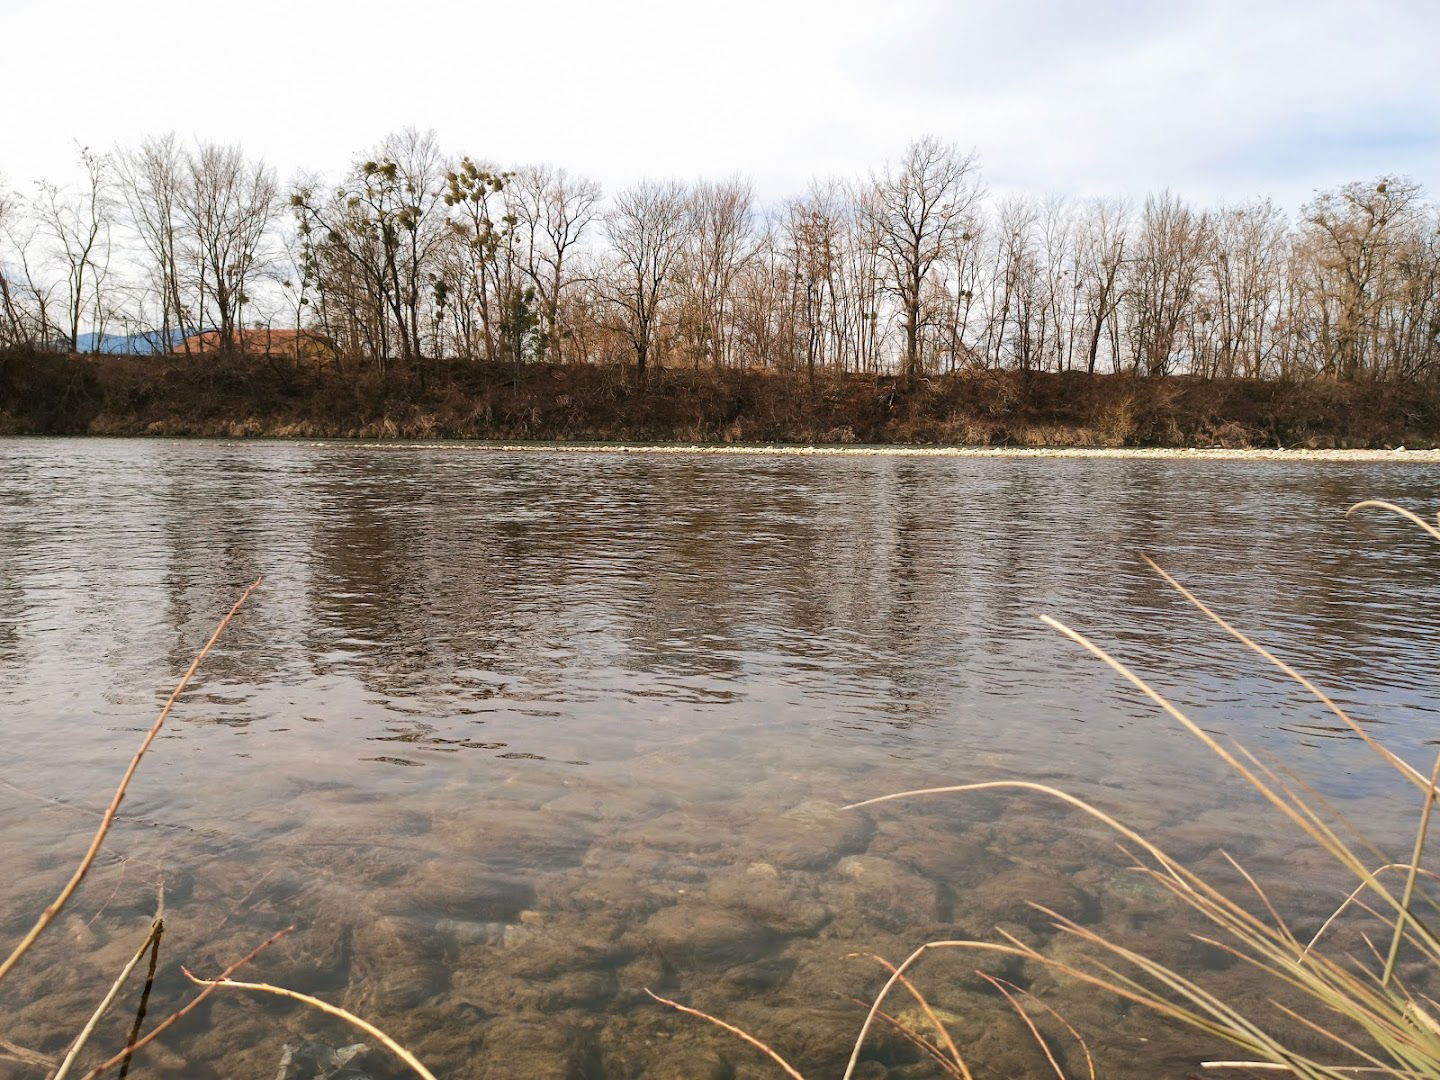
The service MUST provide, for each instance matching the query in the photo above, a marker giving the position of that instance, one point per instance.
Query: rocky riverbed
(436, 927)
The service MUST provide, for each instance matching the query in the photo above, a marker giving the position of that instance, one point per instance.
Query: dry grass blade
(53, 909)
(1408, 896)
(1261, 779)
(1280, 924)
(1027, 785)
(1343, 1070)
(1084, 1047)
(1354, 893)
(1380, 1027)
(767, 1051)
(897, 975)
(959, 1061)
(1230, 759)
(325, 1007)
(917, 1040)
(1215, 1016)
(18, 1053)
(157, 927)
(1029, 1023)
(175, 1017)
(1327, 1034)
(1403, 767)
(1409, 515)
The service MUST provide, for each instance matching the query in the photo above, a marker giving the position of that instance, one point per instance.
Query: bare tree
(646, 230)
(153, 179)
(1165, 272)
(1356, 235)
(227, 205)
(811, 243)
(15, 319)
(719, 242)
(1104, 229)
(412, 259)
(377, 243)
(481, 224)
(555, 211)
(964, 269)
(1060, 283)
(1245, 268)
(762, 314)
(79, 223)
(915, 208)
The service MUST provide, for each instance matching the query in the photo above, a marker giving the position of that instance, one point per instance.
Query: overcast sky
(1215, 99)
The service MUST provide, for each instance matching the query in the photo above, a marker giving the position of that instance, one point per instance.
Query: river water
(511, 737)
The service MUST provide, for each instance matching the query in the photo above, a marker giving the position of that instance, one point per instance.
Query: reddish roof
(258, 342)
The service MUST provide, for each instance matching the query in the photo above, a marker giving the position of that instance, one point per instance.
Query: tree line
(415, 259)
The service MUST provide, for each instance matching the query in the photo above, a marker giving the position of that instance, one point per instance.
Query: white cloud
(1217, 100)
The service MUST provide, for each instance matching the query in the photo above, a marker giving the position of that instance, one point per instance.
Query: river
(512, 736)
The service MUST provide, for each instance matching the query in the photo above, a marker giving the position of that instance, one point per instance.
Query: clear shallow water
(512, 736)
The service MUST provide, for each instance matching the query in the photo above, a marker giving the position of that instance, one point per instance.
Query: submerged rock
(578, 990)
(317, 957)
(82, 934)
(777, 901)
(458, 889)
(314, 1061)
(678, 832)
(1012, 896)
(959, 859)
(470, 932)
(398, 964)
(541, 1049)
(698, 935)
(811, 836)
(518, 842)
(879, 892)
(748, 980)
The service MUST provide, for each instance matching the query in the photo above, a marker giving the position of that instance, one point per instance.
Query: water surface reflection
(513, 736)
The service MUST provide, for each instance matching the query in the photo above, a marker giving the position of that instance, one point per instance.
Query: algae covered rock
(811, 835)
(700, 935)
(1013, 895)
(881, 893)
(779, 901)
(398, 963)
(458, 889)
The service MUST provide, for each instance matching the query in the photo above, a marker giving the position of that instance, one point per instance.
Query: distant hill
(144, 344)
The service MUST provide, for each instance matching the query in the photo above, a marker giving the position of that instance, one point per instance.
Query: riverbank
(714, 410)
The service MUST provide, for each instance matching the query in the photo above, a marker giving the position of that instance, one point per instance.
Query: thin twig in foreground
(48, 915)
(789, 1069)
(157, 927)
(324, 1006)
(141, 1007)
(186, 1010)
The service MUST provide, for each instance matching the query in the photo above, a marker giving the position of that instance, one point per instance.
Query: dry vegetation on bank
(46, 394)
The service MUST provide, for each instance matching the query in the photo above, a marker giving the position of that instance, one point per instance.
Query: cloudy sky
(1219, 99)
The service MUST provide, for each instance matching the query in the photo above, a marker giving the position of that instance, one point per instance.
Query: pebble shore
(1209, 453)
